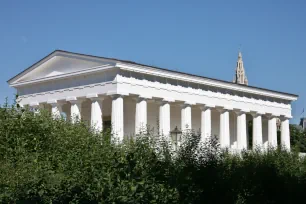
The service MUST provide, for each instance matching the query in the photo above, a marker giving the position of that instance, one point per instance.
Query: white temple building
(129, 96)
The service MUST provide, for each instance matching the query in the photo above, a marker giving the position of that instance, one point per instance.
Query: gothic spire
(240, 75)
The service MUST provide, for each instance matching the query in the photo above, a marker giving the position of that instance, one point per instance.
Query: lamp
(176, 137)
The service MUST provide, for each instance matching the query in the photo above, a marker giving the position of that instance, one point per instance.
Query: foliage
(53, 161)
(298, 138)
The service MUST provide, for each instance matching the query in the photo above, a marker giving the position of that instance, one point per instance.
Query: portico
(132, 97)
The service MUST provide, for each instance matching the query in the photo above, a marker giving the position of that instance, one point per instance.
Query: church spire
(240, 76)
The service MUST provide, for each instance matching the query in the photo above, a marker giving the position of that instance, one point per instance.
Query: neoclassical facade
(129, 96)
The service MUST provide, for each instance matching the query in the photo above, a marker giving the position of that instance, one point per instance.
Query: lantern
(176, 137)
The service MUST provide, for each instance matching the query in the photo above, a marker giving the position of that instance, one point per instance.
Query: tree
(297, 138)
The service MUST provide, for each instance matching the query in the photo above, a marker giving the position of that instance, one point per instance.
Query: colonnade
(117, 120)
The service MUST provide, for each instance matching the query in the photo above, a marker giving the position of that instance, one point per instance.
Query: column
(35, 107)
(257, 131)
(224, 128)
(285, 133)
(272, 131)
(141, 115)
(247, 134)
(117, 117)
(20, 105)
(241, 130)
(76, 105)
(164, 118)
(96, 120)
(205, 123)
(186, 117)
(56, 108)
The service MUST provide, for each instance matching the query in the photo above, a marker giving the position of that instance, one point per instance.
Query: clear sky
(198, 37)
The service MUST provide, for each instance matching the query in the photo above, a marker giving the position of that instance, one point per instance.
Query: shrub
(53, 161)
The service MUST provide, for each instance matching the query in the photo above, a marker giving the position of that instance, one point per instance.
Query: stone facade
(128, 97)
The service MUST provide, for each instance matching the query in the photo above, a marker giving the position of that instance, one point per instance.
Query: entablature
(171, 84)
(197, 80)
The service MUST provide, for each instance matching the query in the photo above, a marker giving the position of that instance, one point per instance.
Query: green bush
(53, 161)
(298, 138)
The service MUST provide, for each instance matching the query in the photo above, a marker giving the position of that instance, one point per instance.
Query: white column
(205, 123)
(141, 115)
(257, 131)
(117, 117)
(247, 134)
(241, 130)
(96, 120)
(285, 133)
(56, 108)
(186, 117)
(272, 131)
(20, 105)
(224, 128)
(164, 118)
(36, 107)
(76, 105)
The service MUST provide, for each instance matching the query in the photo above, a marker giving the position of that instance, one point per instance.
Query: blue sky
(198, 37)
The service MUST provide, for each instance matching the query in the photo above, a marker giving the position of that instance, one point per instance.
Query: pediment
(59, 64)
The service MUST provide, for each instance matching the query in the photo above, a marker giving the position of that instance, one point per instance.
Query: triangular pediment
(59, 64)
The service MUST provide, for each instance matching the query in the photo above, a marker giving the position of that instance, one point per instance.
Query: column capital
(115, 96)
(54, 102)
(95, 97)
(117, 93)
(257, 113)
(142, 98)
(34, 104)
(222, 109)
(165, 100)
(206, 106)
(271, 115)
(239, 111)
(74, 100)
(190, 103)
(284, 117)
(187, 104)
(184, 105)
(168, 100)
